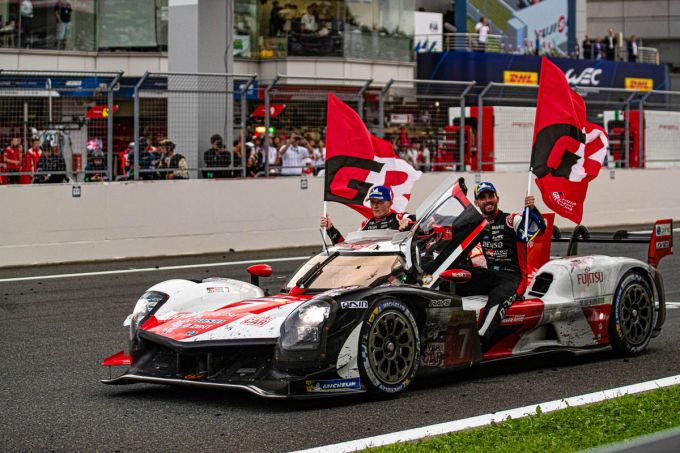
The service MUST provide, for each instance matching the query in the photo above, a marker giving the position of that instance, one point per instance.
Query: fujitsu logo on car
(589, 277)
(587, 77)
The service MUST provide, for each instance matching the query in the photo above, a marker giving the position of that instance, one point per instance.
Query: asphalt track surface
(55, 332)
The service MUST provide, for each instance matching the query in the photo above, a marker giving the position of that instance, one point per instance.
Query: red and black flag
(567, 151)
(356, 160)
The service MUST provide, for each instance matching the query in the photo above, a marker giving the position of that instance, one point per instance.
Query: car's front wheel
(389, 348)
(632, 316)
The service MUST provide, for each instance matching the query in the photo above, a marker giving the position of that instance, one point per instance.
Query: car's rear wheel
(389, 348)
(632, 317)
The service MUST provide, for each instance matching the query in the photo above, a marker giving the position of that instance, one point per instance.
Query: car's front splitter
(130, 378)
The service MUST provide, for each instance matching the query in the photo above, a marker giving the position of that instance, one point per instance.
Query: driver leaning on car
(383, 218)
(503, 279)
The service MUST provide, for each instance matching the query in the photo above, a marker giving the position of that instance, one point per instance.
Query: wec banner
(356, 160)
(499, 67)
(567, 150)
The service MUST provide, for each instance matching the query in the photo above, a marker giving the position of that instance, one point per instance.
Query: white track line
(154, 269)
(483, 420)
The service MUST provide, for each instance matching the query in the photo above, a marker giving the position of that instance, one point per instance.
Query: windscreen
(346, 270)
(441, 232)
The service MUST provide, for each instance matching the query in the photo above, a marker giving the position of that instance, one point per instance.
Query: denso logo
(589, 76)
(589, 277)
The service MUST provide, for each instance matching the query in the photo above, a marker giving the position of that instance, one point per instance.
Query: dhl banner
(633, 83)
(520, 77)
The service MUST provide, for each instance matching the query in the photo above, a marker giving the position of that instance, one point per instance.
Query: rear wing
(660, 239)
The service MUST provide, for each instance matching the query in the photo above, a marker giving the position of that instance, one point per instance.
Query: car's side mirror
(259, 270)
(456, 275)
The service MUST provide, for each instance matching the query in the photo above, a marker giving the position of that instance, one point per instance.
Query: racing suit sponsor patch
(333, 385)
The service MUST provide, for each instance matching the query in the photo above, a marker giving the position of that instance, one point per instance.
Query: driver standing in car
(506, 258)
(383, 218)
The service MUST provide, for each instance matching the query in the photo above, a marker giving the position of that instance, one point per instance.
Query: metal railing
(103, 126)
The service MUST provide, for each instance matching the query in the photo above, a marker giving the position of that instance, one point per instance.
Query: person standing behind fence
(29, 164)
(53, 165)
(610, 43)
(482, 29)
(597, 49)
(587, 48)
(216, 156)
(633, 49)
(174, 165)
(62, 12)
(12, 158)
(292, 153)
(95, 171)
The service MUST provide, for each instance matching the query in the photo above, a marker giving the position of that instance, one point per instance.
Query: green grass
(572, 429)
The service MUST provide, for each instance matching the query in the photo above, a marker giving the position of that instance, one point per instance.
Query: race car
(371, 313)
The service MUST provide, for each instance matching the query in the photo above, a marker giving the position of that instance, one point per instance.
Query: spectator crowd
(607, 47)
(295, 154)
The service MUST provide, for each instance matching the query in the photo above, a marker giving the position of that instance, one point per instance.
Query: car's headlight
(148, 303)
(302, 329)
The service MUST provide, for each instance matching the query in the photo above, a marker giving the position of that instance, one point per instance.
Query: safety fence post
(360, 95)
(641, 130)
(136, 121)
(461, 153)
(480, 125)
(109, 125)
(626, 130)
(267, 93)
(381, 108)
(244, 119)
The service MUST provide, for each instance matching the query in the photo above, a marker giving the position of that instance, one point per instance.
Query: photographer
(292, 154)
(215, 157)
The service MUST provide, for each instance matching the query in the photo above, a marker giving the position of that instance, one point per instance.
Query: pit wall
(46, 224)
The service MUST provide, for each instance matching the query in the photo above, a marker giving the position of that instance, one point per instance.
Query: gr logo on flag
(567, 151)
(357, 160)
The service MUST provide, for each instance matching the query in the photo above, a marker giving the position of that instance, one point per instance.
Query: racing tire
(389, 349)
(632, 316)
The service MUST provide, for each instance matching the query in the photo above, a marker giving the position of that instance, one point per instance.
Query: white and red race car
(371, 313)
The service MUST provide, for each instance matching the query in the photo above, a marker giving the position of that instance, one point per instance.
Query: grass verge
(572, 429)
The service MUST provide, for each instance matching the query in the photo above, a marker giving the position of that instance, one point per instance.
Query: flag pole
(526, 209)
(324, 233)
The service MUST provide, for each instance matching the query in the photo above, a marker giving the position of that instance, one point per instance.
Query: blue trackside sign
(495, 67)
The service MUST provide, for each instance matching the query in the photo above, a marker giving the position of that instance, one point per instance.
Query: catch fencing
(97, 126)
(69, 116)
(190, 125)
(294, 119)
